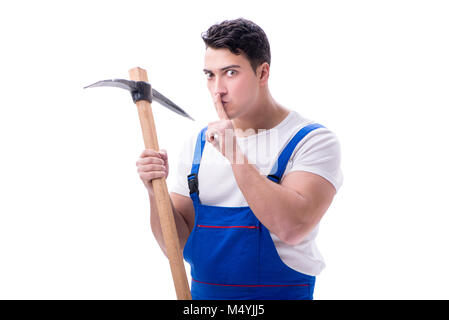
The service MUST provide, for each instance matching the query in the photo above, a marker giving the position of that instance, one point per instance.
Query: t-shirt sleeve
(183, 167)
(319, 153)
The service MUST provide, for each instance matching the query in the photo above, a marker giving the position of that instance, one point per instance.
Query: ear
(263, 73)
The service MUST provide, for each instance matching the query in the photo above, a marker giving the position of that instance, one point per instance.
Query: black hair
(240, 36)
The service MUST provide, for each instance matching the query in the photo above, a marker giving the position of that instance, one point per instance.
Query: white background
(74, 216)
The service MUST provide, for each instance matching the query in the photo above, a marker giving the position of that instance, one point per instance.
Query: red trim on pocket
(253, 285)
(226, 227)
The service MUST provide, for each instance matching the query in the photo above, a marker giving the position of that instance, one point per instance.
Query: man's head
(237, 64)
(240, 36)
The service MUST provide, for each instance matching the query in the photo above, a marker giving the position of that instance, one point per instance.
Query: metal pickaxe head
(141, 90)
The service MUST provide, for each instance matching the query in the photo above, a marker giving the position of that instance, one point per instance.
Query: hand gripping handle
(162, 197)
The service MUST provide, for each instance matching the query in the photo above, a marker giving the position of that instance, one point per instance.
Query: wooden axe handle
(162, 197)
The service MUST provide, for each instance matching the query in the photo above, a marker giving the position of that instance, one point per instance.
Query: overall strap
(279, 167)
(192, 178)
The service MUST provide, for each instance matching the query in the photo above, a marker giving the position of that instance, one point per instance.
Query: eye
(231, 72)
(208, 75)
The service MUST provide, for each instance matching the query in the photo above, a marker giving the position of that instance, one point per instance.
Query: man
(247, 214)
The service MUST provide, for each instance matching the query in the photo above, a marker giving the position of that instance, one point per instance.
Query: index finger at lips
(219, 107)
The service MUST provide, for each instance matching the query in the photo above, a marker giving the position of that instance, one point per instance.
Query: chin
(234, 114)
(231, 113)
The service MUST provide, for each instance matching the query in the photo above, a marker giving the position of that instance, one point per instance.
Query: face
(232, 76)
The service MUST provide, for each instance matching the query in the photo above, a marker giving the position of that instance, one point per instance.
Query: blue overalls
(231, 253)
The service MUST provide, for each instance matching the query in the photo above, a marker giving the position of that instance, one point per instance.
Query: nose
(219, 87)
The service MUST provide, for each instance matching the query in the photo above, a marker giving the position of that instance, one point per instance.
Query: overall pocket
(225, 247)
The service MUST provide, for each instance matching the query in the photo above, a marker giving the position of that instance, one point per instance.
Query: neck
(266, 114)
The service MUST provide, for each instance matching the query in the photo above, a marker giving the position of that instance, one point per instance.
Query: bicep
(316, 191)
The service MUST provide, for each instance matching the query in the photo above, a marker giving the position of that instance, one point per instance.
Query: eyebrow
(224, 68)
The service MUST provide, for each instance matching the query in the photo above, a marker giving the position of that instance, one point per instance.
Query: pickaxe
(143, 94)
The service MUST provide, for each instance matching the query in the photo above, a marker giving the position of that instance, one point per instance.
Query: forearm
(282, 210)
(181, 225)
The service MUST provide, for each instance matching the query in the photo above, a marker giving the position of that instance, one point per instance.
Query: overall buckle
(273, 178)
(192, 179)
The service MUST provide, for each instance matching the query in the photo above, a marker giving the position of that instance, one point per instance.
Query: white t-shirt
(318, 152)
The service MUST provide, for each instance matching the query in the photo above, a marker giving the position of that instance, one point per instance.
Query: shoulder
(320, 138)
(319, 142)
(318, 152)
(190, 140)
(186, 149)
